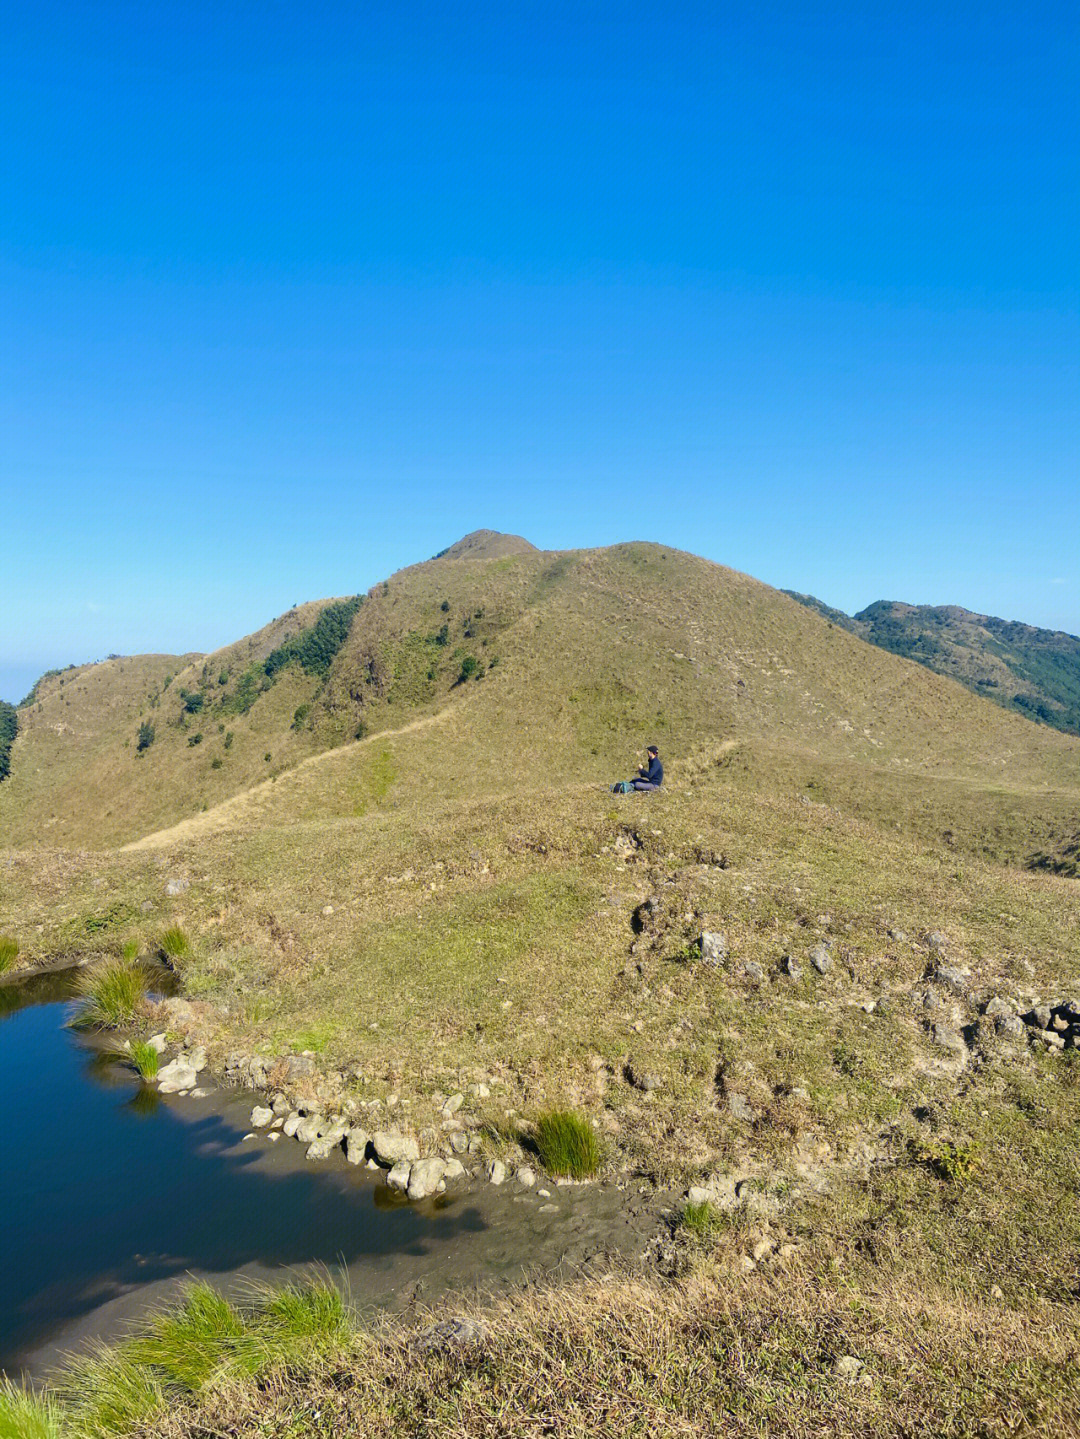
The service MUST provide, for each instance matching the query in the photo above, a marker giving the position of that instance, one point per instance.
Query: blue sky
(293, 295)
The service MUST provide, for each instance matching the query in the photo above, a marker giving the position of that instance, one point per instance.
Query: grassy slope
(1033, 671)
(483, 917)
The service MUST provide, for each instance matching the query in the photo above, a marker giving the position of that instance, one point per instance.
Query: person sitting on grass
(650, 776)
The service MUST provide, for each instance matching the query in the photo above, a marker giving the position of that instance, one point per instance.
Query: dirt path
(238, 807)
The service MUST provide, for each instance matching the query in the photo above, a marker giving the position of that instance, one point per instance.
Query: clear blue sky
(296, 294)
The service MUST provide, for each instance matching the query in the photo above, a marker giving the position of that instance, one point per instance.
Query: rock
(496, 1172)
(323, 1148)
(300, 1066)
(956, 980)
(459, 1142)
(753, 972)
(949, 1037)
(697, 1195)
(398, 1178)
(739, 1107)
(454, 1169)
(453, 1104)
(762, 1249)
(197, 1093)
(643, 1079)
(1055, 1042)
(821, 959)
(996, 1007)
(526, 1176)
(936, 940)
(356, 1143)
(158, 1042)
(1039, 1017)
(714, 947)
(897, 936)
(176, 1076)
(848, 1368)
(261, 1117)
(196, 1058)
(310, 1129)
(791, 967)
(292, 1124)
(391, 1149)
(280, 1105)
(174, 887)
(328, 910)
(1009, 1026)
(425, 1176)
(450, 1336)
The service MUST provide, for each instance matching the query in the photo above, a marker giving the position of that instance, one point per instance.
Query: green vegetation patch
(111, 994)
(9, 952)
(567, 1144)
(315, 648)
(9, 728)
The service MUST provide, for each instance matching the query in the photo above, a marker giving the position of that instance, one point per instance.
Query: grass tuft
(300, 1321)
(130, 951)
(202, 1342)
(175, 943)
(699, 1219)
(25, 1414)
(9, 952)
(111, 994)
(567, 1144)
(107, 1393)
(145, 1058)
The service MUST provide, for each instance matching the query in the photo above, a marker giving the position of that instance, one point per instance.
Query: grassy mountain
(1033, 671)
(428, 887)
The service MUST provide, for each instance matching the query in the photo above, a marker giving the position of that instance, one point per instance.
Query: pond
(112, 1196)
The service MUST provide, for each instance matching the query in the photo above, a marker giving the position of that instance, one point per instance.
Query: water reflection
(96, 1199)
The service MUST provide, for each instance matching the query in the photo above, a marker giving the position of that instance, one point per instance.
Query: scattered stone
(174, 1077)
(821, 959)
(398, 1178)
(897, 936)
(328, 910)
(311, 1129)
(848, 1368)
(323, 1148)
(714, 947)
(936, 940)
(450, 1336)
(392, 1149)
(762, 1249)
(526, 1176)
(261, 1117)
(454, 1169)
(791, 967)
(543, 1194)
(356, 1143)
(496, 1172)
(956, 980)
(158, 1042)
(753, 972)
(1039, 1016)
(643, 1079)
(292, 1124)
(273, 1136)
(426, 1177)
(739, 1107)
(174, 887)
(459, 1142)
(949, 1037)
(997, 1007)
(196, 1058)
(197, 1093)
(453, 1104)
(280, 1105)
(1009, 1026)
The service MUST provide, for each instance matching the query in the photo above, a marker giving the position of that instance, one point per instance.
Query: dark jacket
(655, 773)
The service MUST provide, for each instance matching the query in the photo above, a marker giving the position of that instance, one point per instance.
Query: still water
(110, 1196)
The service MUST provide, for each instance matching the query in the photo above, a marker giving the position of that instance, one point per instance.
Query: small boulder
(714, 947)
(391, 1149)
(936, 940)
(356, 1143)
(454, 1169)
(790, 966)
(174, 1077)
(280, 1105)
(425, 1177)
(821, 959)
(323, 1148)
(753, 972)
(958, 981)
(292, 1124)
(452, 1105)
(175, 887)
(1009, 1026)
(450, 1336)
(739, 1107)
(848, 1368)
(261, 1117)
(526, 1176)
(496, 1172)
(158, 1042)
(398, 1178)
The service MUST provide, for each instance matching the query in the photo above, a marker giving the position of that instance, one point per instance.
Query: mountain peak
(486, 545)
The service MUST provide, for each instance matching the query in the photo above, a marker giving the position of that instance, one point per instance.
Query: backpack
(622, 786)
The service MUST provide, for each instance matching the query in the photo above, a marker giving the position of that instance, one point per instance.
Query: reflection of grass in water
(145, 1101)
(25, 1414)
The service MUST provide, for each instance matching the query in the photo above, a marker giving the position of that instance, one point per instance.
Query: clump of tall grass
(145, 1058)
(111, 994)
(175, 943)
(130, 951)
(105, 1393)
(9, 952)
(301, 1320)
(205, 1340)
(25, 1414)
(567, 1144)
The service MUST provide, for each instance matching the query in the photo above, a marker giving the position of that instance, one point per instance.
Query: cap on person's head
(651, 749)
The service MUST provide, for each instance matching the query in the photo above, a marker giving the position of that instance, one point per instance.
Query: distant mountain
(1035, 672)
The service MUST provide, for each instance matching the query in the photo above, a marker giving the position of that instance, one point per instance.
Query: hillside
(819, 992)
(519, 663)
(1033, 671)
